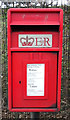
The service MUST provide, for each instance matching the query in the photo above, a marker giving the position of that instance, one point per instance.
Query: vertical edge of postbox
(60, 61)
(9, 60)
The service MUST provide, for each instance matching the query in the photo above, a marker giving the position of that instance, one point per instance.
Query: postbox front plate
(48, 69)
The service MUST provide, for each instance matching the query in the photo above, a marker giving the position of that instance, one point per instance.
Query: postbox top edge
(35, 10)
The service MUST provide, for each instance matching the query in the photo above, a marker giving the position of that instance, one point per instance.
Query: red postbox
(34, 59)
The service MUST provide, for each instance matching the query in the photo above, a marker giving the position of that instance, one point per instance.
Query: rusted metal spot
(53, 105)
(23, 16)
(46, 18)
(37, 15)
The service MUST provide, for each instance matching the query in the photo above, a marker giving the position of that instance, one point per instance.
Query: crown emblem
(27, 41)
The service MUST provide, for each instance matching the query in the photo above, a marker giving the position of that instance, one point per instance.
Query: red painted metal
(55, 37)
(18, 58)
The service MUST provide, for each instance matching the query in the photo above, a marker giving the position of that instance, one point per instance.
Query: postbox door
(45, 63)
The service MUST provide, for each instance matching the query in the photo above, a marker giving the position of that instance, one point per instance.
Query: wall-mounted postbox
(34, 59)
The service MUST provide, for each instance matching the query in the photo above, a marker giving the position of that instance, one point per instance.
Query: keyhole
(19, 82)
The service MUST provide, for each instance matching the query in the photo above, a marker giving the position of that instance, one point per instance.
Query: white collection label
(35, 79)
(35, 40)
